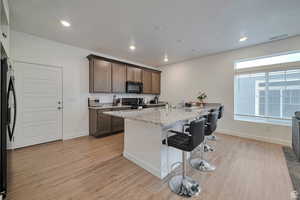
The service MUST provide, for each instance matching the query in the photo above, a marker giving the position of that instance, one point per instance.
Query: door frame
(14, 61)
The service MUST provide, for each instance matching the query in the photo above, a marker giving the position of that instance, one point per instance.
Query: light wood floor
(88, 169)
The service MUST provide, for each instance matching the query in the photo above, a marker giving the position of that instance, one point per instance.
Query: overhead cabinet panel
(118, 77)
(147, 82)
(137, 75)
(130, 74)
(155, 83)
(100, 76)
(110, 76)
(134, 74)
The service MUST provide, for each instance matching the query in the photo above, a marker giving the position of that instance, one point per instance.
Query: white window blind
(269, 92)
(269, 60)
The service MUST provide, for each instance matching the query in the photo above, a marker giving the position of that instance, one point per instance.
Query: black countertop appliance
(135, 103)
(154, 101)
(134, 87)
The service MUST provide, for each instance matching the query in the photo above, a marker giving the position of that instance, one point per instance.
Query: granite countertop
(158, 104)
(110, 106)
(161, 116)
(107, 106)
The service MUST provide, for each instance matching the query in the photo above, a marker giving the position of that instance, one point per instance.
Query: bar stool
(200, 163)
(221, 111)
(182, 184)
(208, 135)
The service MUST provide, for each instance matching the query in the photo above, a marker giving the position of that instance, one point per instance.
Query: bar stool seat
(180, 141)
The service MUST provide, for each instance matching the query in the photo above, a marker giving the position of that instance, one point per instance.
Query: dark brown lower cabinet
(102, 124)
(117, 124)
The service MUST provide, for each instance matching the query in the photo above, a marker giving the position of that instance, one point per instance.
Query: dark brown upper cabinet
(147, 81)
(100, 76)
(134, 74)
(118, 77)
(110, 76)
(138, 75)
(155, 82)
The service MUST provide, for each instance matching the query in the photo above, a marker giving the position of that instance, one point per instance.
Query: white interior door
(39, 101)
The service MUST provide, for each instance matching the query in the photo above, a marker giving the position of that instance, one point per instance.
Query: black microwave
(134, 87)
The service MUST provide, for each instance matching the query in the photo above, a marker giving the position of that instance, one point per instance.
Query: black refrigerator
(8, 120)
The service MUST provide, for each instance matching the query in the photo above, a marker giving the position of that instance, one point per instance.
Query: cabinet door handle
(59, 107)
(4, 35)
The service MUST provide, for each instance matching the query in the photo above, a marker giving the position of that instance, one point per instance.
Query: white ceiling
(182, 29)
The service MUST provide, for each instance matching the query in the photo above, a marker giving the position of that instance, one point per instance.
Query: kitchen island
(146, 129)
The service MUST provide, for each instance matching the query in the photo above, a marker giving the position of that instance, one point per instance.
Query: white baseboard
(255, 137)
(65, 137)
(143, 164)
(76, 135)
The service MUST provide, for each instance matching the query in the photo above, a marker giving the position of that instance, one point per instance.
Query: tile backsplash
(108, 98)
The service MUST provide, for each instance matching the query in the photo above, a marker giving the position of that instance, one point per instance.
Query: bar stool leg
(182, 184)
(207, 147)
(201, 164)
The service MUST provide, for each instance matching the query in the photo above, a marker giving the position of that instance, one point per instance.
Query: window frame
(266, 56)
(263, 69)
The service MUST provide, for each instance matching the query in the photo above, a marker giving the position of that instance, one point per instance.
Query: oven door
(134, 87)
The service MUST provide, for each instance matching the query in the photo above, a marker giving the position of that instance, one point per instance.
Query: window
(267, 93)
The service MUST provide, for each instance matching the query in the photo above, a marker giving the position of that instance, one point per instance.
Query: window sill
(280, 122)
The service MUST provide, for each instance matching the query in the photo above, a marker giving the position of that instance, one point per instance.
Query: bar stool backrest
(221, 110)
(211, 123)
(196, 130)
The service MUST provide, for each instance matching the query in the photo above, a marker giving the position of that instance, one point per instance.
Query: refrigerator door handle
(8, 115)
(11, 88)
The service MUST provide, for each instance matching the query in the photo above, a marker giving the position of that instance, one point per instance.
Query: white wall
(214, 74)
(32, 49)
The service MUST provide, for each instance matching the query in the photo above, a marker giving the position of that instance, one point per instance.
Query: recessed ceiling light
(166, 59)
(65, 23)
(243, 39)
(132, 47)
(157, 28)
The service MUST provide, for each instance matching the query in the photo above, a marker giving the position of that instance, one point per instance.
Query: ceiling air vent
(279, 37)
